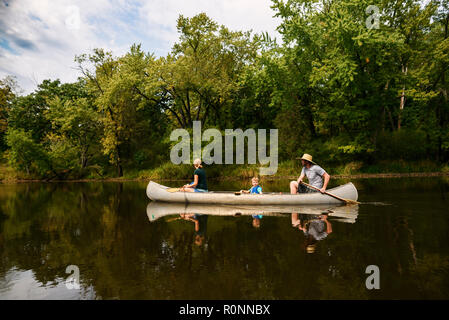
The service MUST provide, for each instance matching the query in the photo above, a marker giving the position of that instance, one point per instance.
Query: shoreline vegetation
(286, 170)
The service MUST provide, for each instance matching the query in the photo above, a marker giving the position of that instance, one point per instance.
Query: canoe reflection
(157, 210)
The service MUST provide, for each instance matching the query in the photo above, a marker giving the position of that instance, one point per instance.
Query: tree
(196, 81)
(77, 123)
(130, 110)
(428, 83)
(8, 91)
(25, 154)
(110, 103)
(29, 112)
(346, 79)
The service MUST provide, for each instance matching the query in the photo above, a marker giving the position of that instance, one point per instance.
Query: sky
(40, 38)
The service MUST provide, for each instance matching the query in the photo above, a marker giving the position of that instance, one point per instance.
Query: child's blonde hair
(255, 178)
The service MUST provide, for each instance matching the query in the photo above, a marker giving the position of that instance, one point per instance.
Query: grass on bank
(169, 171)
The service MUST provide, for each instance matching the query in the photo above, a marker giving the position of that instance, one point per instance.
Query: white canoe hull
(157, 210)
(158, 192)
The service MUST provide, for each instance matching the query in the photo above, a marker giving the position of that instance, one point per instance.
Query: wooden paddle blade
(348, 201)
(172, 189)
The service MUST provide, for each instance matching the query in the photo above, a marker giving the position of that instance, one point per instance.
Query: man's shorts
(304, 189)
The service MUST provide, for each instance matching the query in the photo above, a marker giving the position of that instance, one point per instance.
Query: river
(102, 234)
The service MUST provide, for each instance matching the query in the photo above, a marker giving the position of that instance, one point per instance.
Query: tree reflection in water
(101, 228)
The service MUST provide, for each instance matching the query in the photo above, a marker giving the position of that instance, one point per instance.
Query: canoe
(157, 210)
(158, 192)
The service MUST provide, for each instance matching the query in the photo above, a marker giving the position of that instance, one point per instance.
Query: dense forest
(343, 83)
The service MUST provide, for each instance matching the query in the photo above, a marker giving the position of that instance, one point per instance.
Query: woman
(199, 183)
(200, 221)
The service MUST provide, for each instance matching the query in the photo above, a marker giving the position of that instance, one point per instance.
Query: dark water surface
(103, 228)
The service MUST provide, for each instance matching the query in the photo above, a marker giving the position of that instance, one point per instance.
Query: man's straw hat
(306, 157)
(310, 248)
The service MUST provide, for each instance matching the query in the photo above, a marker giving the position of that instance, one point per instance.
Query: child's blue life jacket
(256, 189)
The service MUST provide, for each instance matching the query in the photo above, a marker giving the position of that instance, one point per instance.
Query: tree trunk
(402, 103)
(84, 158)
(119, 163)
(384, 108)
(119, 169)
(390, 117)
(310, 123)
(307, 111)
(445, 97)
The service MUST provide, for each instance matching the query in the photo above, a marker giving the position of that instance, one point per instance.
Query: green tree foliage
(199, 76)
(28, 112)
(25, 154)
(334, 87)
(77, 124)
(112, 106)
(8, 86)
(348, 83)
(61, 120)
(128, 115)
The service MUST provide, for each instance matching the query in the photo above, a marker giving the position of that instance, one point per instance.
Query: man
(315, 174)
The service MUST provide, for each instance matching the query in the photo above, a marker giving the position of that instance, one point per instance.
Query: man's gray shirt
(315, 175)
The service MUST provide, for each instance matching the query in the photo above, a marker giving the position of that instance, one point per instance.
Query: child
(256, 189)
(256, 220)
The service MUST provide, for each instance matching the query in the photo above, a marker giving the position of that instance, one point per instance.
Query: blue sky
(39, 39)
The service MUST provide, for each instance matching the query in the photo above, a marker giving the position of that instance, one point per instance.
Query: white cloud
(39, 39)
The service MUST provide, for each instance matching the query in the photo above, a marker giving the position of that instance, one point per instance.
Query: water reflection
(256, 220)
(102, 229)
(315, 228)
(200, 225)
(312, 220)
(157, 210)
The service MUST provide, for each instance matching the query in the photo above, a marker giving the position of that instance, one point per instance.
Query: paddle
(347, 201)
(178, 218)
(174, 219)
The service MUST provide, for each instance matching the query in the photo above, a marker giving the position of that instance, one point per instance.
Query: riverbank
(286, 170)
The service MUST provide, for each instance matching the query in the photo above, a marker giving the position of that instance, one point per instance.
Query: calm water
(103, 228)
